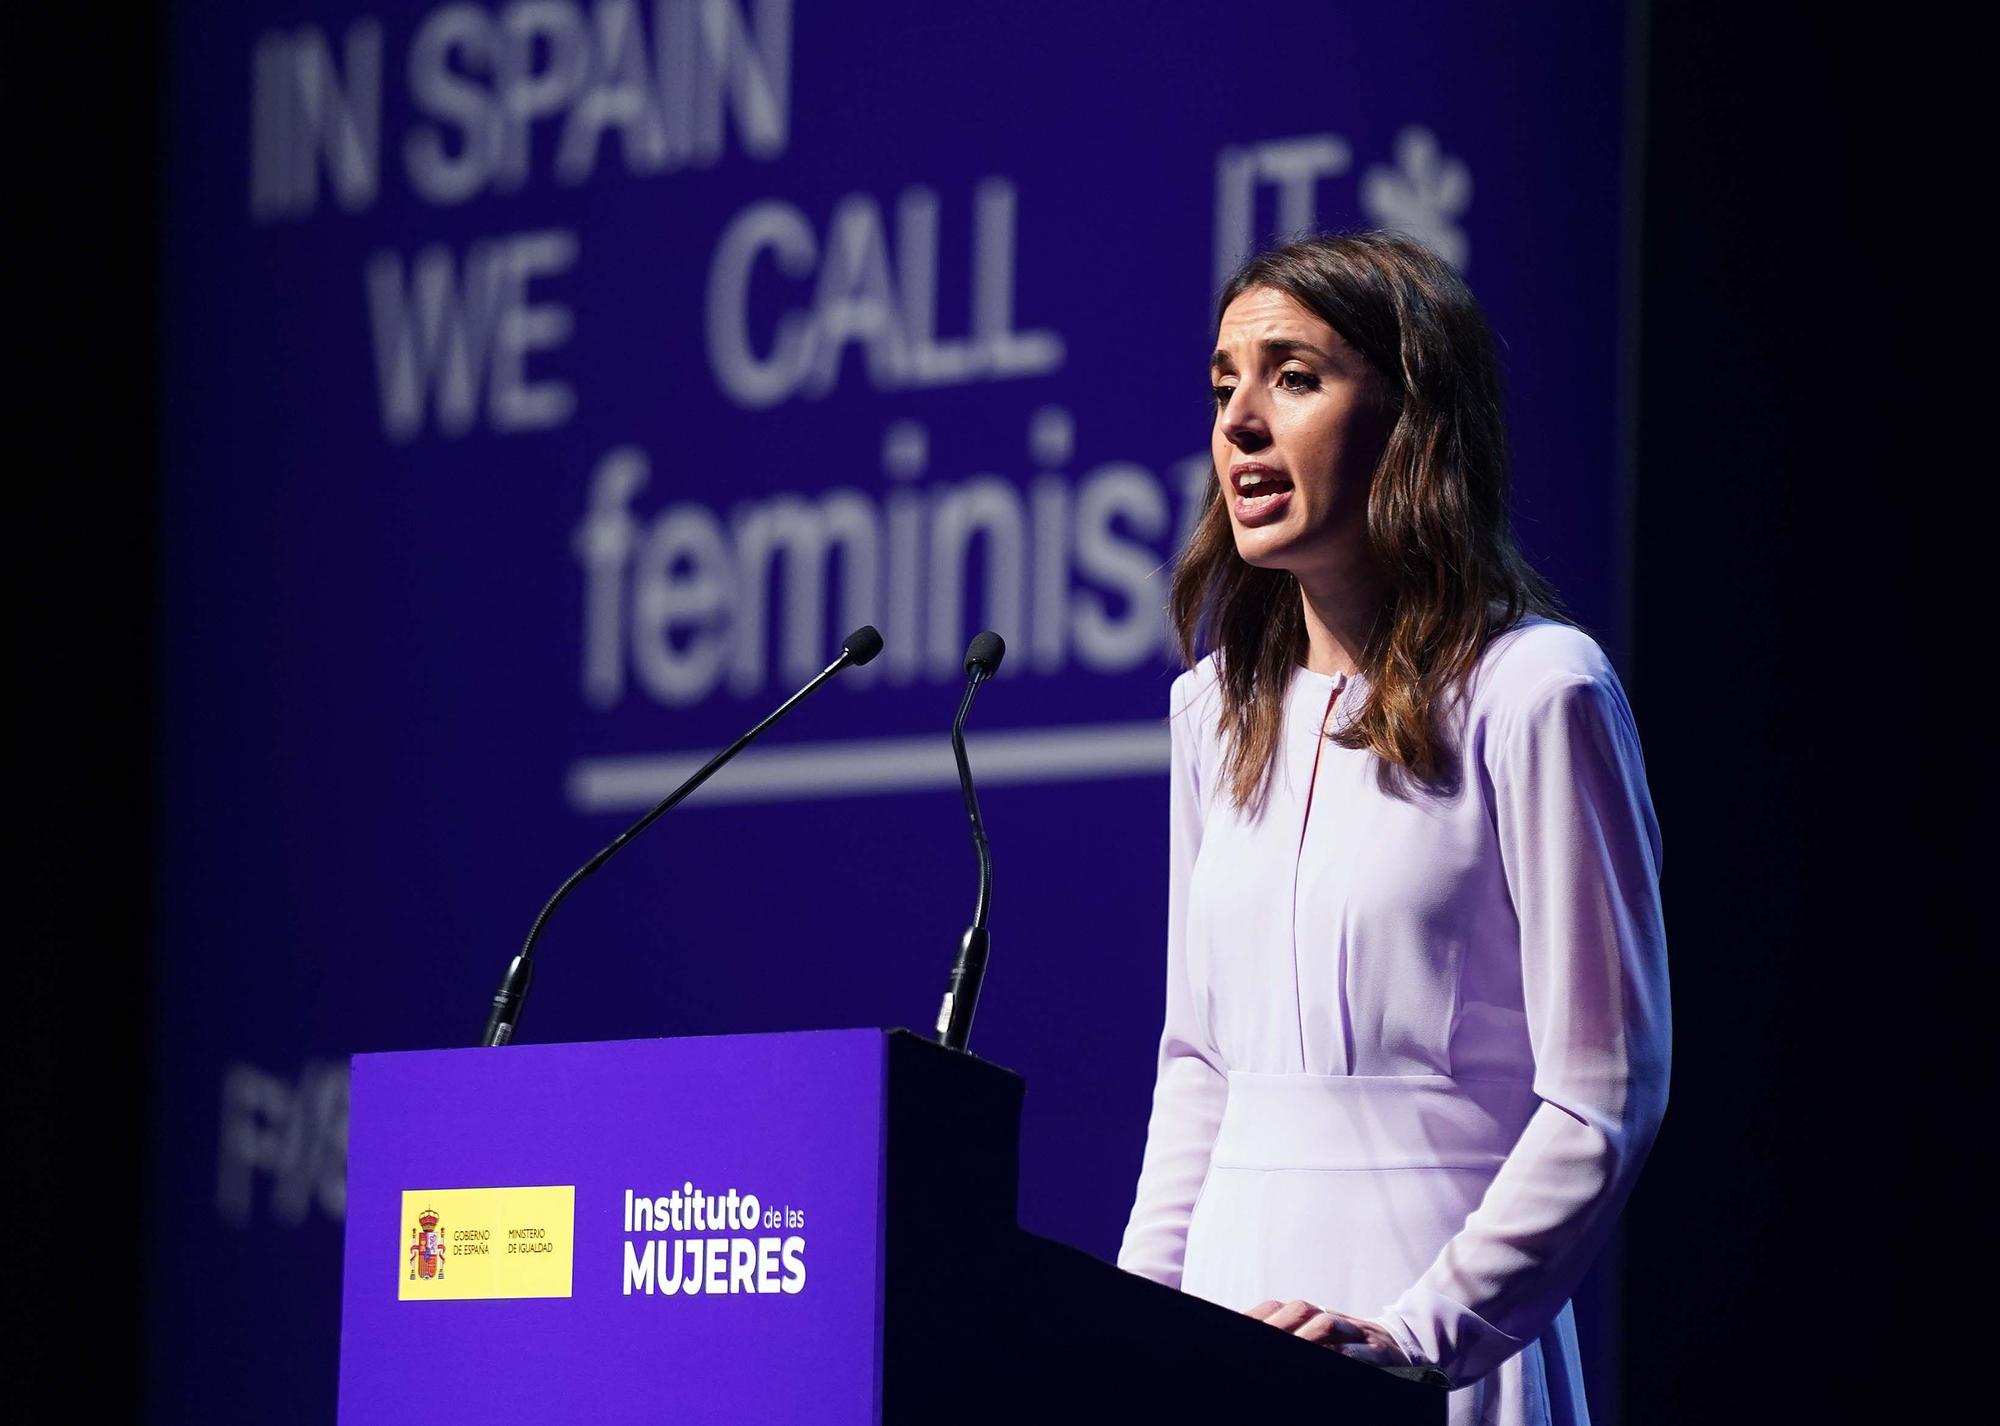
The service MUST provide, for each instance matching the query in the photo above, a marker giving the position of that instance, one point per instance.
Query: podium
(813, 1227)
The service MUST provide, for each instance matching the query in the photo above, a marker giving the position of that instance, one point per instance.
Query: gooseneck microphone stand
(861, 646)
(961, 998)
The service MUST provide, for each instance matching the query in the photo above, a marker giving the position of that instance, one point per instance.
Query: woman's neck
(1340, 612)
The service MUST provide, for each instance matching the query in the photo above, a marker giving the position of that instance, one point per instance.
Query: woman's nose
(1243, 425)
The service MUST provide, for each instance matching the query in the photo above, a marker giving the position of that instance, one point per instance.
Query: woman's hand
(1354, 1337)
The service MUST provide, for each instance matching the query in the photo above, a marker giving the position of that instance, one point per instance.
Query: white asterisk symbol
(1423, 195)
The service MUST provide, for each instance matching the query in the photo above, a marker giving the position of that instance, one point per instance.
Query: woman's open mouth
(1261, 493)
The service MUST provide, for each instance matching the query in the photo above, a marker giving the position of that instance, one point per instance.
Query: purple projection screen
(550, 385)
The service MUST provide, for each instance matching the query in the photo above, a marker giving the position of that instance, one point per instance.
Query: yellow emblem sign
(487, 1242)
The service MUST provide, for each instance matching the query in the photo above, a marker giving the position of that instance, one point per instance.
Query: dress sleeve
(1580, 849)
(1192, 1085)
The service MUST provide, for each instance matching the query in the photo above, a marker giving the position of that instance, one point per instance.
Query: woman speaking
(1417, 1028)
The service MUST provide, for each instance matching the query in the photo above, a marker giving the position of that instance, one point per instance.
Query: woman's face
(1299, 427)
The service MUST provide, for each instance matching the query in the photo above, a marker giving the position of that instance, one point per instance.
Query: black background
(1807, 457)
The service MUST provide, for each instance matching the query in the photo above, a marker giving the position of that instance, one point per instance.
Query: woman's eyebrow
(1272, 346)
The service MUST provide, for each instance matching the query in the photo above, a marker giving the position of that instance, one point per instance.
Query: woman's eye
(1296, 380)
(1220, 394)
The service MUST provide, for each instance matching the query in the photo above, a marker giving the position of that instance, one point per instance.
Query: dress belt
(1322, 1121)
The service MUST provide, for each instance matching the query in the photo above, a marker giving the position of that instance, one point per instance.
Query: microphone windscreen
(985, 653)
(862, 645)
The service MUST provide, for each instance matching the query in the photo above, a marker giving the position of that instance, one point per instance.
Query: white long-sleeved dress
(1416, 1045)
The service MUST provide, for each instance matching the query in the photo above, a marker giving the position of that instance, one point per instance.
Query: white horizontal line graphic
(867, 765)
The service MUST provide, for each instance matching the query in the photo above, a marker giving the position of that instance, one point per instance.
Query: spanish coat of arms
(426, 1247)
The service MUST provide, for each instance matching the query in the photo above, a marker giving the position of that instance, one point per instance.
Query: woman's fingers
(1331, 1328)
(1285, 1316)
(1354, 1337)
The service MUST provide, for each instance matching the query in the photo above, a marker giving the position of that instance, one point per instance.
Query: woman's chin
(1259, 549)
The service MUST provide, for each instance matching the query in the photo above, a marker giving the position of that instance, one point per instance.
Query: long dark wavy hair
(1438, 523)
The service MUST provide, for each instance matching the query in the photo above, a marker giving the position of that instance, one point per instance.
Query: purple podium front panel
(471, 1294)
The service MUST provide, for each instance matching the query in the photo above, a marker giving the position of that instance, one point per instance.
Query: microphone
(858, 648)
(961, 997)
